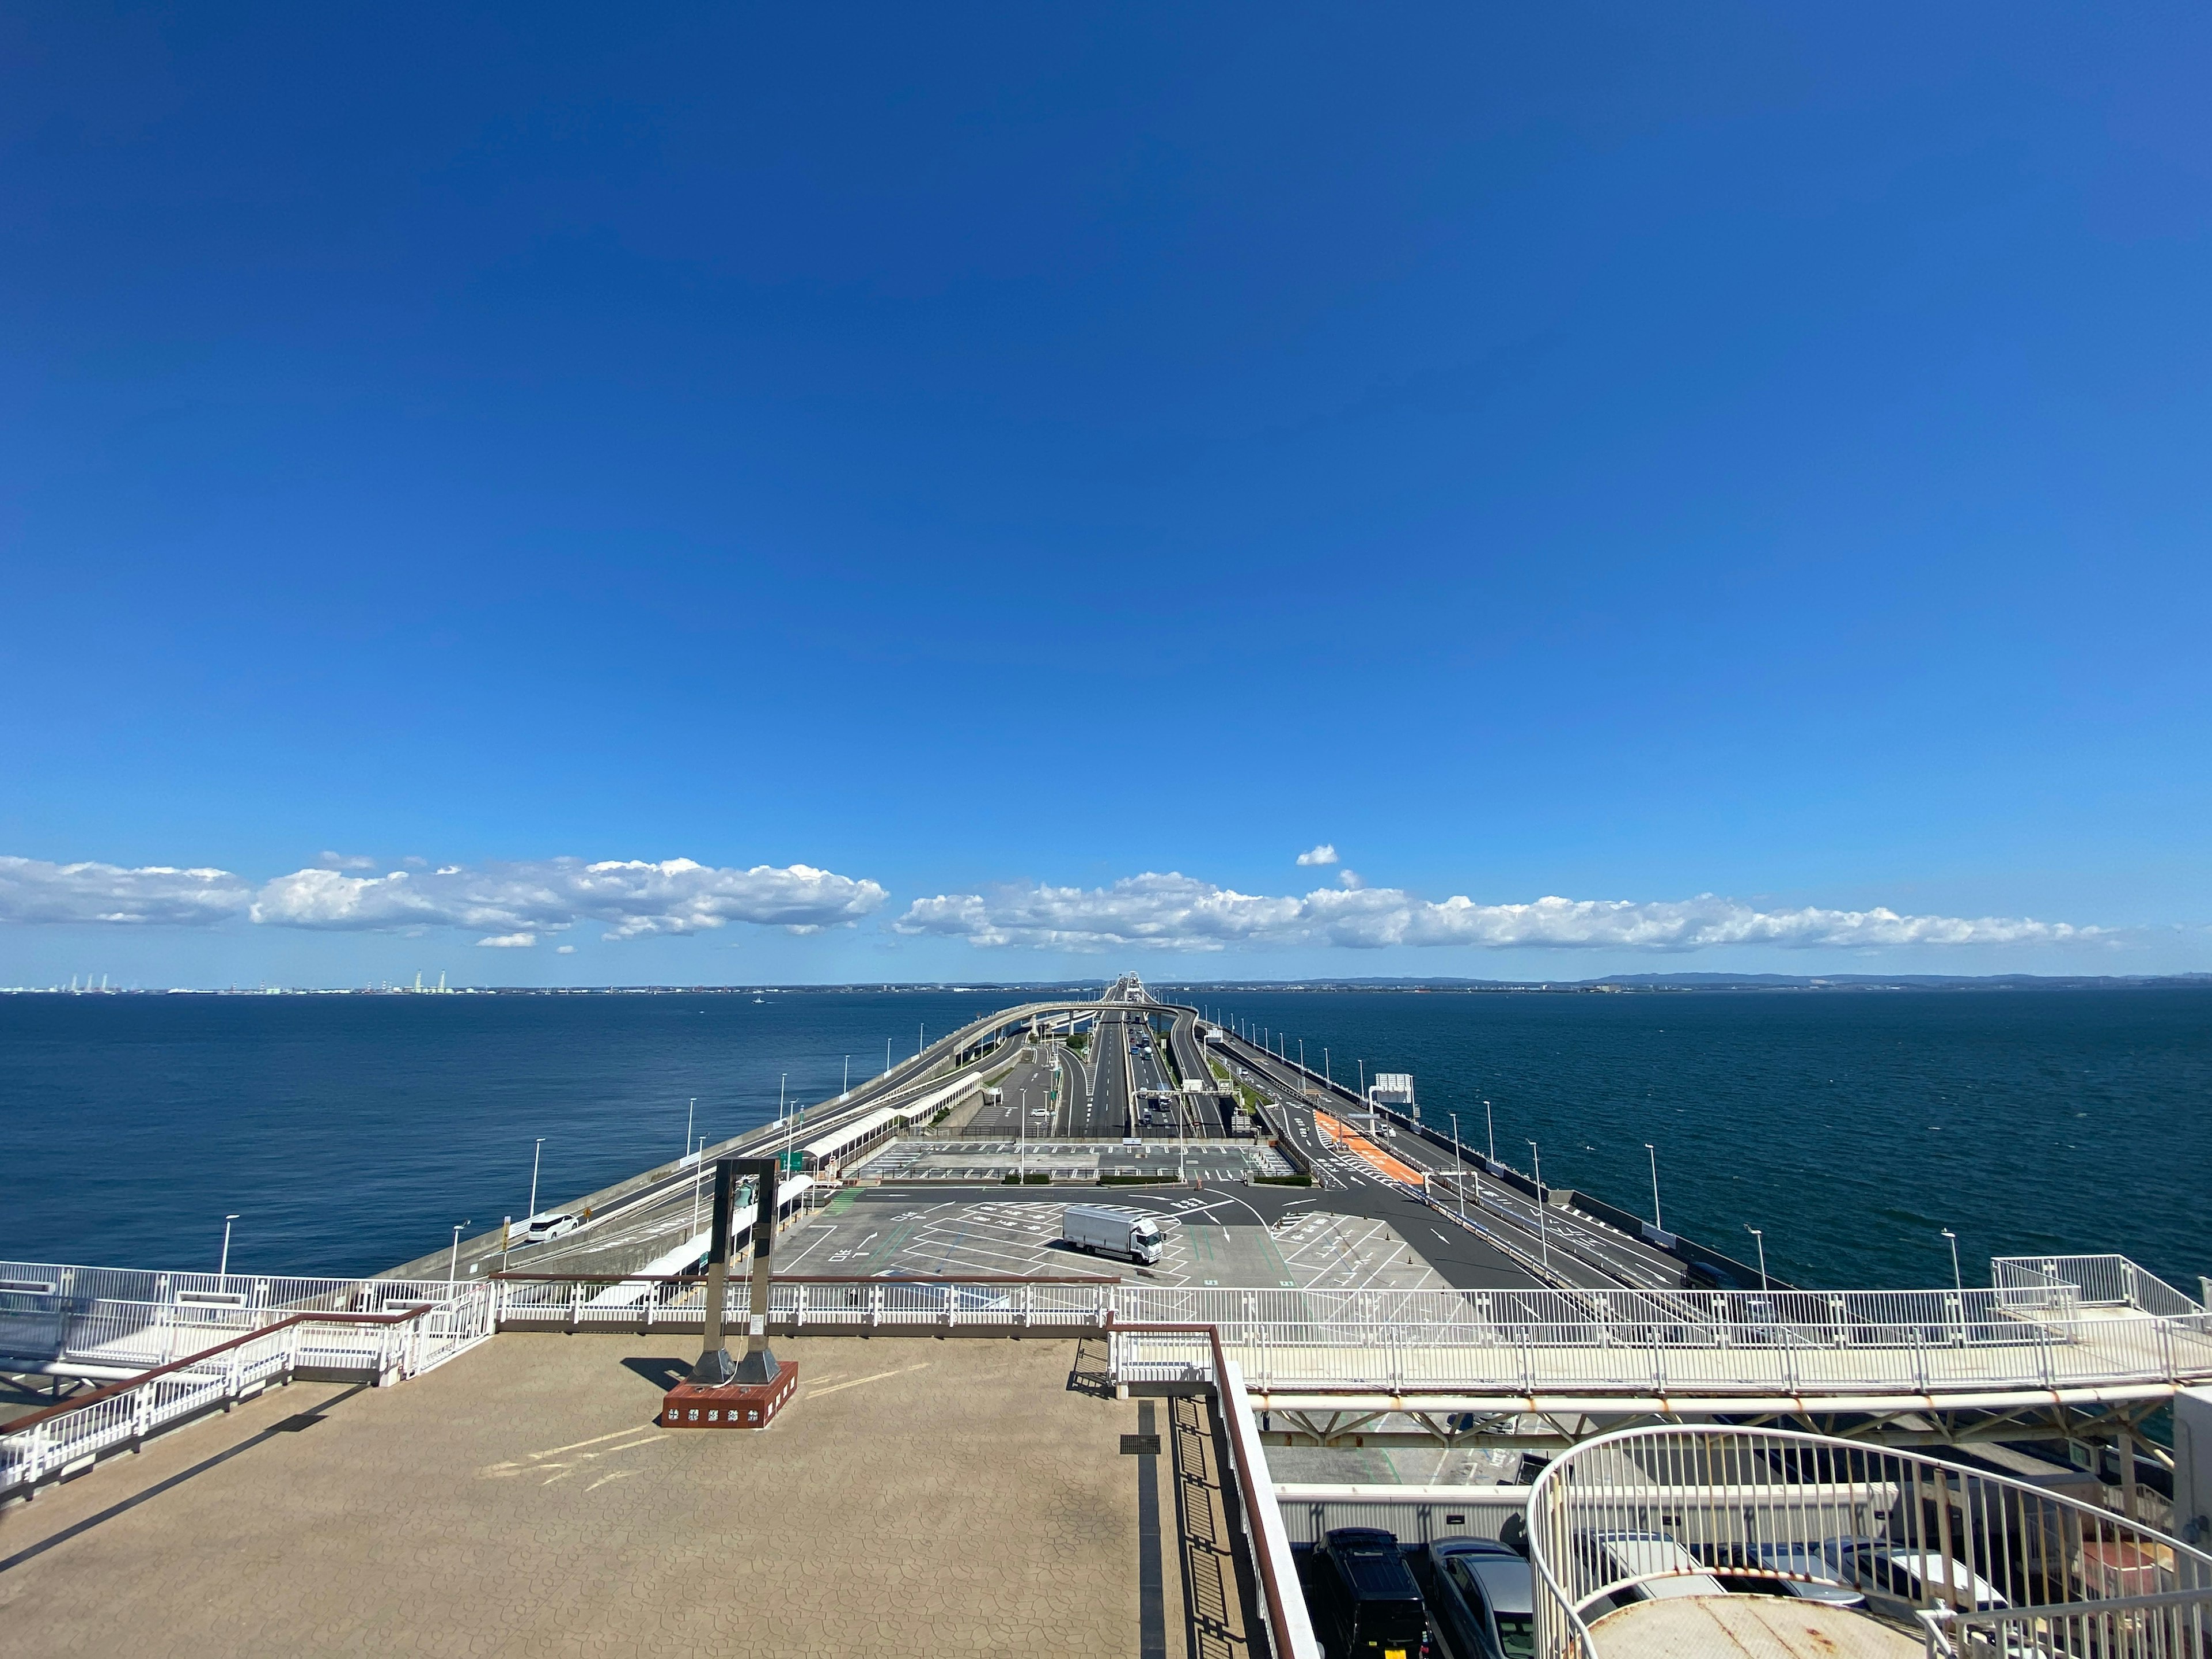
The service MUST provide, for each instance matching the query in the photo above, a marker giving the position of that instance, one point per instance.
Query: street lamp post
(453, 1261)
(1490, 1119)
(223, 1269)
(1459, 1167)
(1657, 1225)
(690, 1112)
(1957, 1283)
(1759, 1234)
(1543, 1231)
(535, 1153)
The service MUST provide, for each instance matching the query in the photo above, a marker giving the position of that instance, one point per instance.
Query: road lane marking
(816, 1394)
(580, 1444)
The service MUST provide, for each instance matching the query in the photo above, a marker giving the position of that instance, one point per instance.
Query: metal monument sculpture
(722, 1393)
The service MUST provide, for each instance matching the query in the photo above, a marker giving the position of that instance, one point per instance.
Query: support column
(714, 1368)
(759, 1364)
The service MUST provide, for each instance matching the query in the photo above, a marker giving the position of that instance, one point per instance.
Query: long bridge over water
(1341, 1278)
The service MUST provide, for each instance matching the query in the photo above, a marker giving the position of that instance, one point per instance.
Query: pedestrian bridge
(2086, 1330)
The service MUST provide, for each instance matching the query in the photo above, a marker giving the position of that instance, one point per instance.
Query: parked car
(1804, 1573)
(1483, 1603)
(1661, 1568)
(1917, 1576)
(1363, 1598)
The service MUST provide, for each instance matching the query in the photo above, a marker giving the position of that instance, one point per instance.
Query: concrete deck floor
(1750, 1627)
(921, 1497)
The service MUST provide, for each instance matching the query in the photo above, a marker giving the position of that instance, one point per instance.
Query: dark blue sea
(351, 1133)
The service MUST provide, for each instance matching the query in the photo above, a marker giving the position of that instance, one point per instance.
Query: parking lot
(1236, 1237)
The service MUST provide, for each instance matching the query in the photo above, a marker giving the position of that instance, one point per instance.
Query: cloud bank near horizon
(1175, 912)
(516, 905)
(511, 904)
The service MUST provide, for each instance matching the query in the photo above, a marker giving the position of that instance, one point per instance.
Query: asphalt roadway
(1578, 1251)
(875, 1219)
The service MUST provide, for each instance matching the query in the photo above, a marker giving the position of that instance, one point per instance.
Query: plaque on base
(729, 1404)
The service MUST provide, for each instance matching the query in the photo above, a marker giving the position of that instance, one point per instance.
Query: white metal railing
(823, 1305)
(121, 1321)
(1981, 1563)
(383, 1345)
(2103, 1281)
(1834, 1343)
(2030, 1331)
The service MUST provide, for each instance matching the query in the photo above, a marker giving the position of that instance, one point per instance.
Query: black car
(1483, 1600)
(1363, 1598)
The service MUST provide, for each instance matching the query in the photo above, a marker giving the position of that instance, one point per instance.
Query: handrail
(2126, 1627)
(1263, 1524)
(79, 1402)
(1710, 1498)
(1095, 1281)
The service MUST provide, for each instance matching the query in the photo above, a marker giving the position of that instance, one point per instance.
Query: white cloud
(511, 904)
(345, 862)
(567, 949)
(1324, 854)
(1176, 913)
(631, 897)
(31, 890)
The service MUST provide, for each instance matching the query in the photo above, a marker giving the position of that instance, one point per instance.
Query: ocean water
(351, 1133)
(1852, 1126)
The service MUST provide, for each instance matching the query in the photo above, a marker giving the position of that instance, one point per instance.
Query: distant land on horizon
(1614, 983)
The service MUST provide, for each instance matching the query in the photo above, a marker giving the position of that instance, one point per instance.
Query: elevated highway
(1602, 1328)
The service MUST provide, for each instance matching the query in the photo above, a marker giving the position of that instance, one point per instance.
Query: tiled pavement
(921, 1497)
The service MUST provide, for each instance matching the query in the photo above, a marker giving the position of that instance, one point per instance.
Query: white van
(1112, 1232)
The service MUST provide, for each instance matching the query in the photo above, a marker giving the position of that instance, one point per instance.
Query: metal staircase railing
(1980, 1564)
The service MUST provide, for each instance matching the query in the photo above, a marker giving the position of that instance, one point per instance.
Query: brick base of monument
(730, 1405)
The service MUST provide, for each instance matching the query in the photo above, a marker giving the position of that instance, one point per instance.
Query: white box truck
(1111, 1232)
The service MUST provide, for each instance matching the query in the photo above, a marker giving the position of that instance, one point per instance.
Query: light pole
(1489, 1118)
(1957, 1283)
(1459, 1167)
(690, 1113)
(1325, 1077)
(453, 1261)
(1657, 1225)
(1759, 1234)
(698, 1169)
(1022, 1138)
(887, 1056)
(222, 1269)
(1543, 1232)
(535, 1153)
(849, 1076)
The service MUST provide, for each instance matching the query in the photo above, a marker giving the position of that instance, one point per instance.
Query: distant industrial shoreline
(1618, 983)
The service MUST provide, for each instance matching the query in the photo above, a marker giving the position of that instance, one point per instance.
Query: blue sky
(1741, 473)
